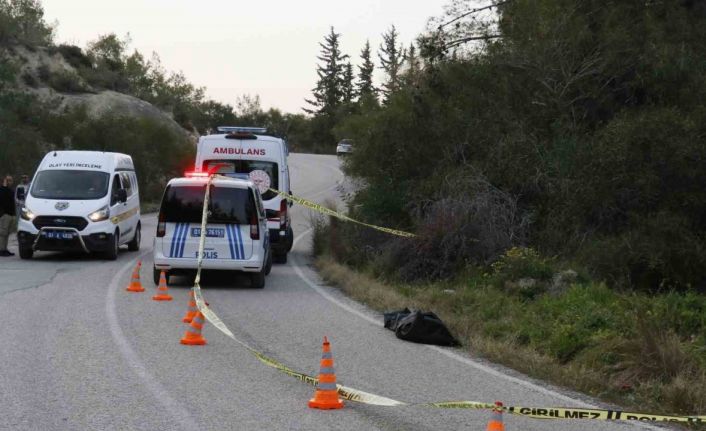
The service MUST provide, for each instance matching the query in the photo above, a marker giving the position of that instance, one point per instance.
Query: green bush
(589, 115)
(74, 55)
(64, 81)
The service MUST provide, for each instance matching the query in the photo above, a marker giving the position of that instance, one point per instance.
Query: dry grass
(361, 287)
(383, 297)
(652, 372)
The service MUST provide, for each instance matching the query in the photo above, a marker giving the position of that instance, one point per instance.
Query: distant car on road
(344, 147)
(236, 234)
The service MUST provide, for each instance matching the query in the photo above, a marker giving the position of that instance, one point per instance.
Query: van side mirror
(20, 194)
(121, 195)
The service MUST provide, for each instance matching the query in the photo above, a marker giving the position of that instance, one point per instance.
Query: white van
(248, 150)
(236, 232)
(81, 201)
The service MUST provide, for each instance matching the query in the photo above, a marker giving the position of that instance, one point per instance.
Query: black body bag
(419, 327)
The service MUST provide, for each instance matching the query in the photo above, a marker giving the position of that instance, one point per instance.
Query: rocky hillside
(46, 73)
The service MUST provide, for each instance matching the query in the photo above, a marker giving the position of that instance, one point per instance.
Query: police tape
(363, 397)
(572, 413)
(322, 209)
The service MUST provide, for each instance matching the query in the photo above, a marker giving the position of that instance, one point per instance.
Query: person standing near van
(7, 214)
(21, 193)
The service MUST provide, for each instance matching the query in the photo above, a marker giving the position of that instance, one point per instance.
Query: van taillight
(283, 214)
(161, 225)
(254, 228)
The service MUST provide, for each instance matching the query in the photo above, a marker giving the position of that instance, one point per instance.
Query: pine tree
(413, 66)
(364, 86)
(392, 57)
(329, 92)
(348, 87)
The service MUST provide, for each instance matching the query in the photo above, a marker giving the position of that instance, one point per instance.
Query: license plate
(211, 232)
(58, 235)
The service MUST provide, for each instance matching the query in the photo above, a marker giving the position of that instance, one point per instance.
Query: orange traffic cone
(162, 295)
(135, 285)
(193, 336)
(496, 421)
(326, 395)
(191, 310)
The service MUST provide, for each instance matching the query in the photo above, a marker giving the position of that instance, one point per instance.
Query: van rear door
(227, 230)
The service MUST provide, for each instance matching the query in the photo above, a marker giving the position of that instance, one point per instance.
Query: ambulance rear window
(184, 204)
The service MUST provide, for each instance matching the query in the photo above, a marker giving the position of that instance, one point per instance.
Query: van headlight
(26, 214)
(100, 215)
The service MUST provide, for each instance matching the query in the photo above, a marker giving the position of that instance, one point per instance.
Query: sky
(235, 47)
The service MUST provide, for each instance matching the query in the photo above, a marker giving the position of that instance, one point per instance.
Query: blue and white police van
(84, 201)
(236, 231)
(250, 151)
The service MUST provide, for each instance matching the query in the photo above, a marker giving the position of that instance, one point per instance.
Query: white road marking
(446, 352)
(174, 409)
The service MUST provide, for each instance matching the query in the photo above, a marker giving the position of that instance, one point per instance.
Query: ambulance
(249, 150)
(85, 201)
(236, 237)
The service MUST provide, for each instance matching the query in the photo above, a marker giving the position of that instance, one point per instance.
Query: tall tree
(108, 51)
(392, 56)
(347, 84)
(23, 21)
(413, 66)
(364, 86)
(328, 93)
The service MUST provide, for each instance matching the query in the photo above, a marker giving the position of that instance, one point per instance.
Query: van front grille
(78, 223)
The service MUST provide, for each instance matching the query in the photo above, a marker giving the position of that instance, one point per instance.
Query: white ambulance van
(81, 201)
(236, 230)
(249, 150)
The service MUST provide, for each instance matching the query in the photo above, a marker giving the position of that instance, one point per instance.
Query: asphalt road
(78, 352)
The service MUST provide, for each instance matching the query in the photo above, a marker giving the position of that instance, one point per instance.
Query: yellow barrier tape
(126, 215)
(345, 392)
(363, 397)
(571, 413)
(322, 209)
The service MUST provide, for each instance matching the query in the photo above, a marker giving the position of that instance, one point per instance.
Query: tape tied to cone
(356, 395)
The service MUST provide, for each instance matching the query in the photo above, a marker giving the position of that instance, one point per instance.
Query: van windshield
(246, 167)
(70, 185)
(184, 204)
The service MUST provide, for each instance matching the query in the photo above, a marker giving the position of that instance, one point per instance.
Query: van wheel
(290, 238)
(268, 264)
(257, 279)
(112, 252)
(281, 257)
(134, 245)
(26, 252)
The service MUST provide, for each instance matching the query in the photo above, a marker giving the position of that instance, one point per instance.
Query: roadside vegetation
(550, 157)
(641, 350)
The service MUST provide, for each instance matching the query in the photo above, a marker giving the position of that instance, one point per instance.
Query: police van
(84, 201)
(250, 151)
(236, 236)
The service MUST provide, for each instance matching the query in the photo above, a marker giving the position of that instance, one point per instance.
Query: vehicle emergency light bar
(196, 174)
(237, 129)
(206, 175)
(200, 174)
